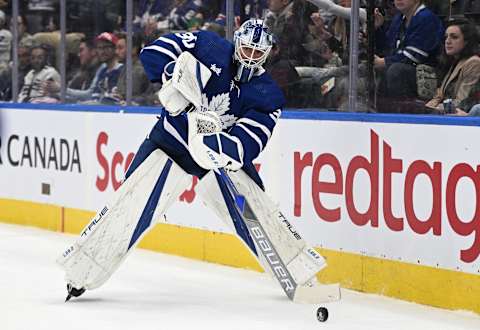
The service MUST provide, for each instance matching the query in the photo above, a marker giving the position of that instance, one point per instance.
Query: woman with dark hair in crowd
(461, 67)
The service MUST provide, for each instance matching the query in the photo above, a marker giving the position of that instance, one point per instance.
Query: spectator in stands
(142, 91)
(214, 27)
(283, 72)
(24, 67)
(152, 15)
(254, 8)
(328, 51)
(87, 54)
(24, 64)
(83, 77)
(5, 84)
(114, 12)
(242, 10)
(413, 37)
(462, 66)
(211, 8)
(185, 15)
(106, 76)
(288, 21)
(22, 26)
(321, 43)
(157, 16)
(5, 41)
(50, 22)
(41, 72)
(50, 35)
(335, 33)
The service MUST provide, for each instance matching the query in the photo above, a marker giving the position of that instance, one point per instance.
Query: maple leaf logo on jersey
(216, 69)
(219, 103)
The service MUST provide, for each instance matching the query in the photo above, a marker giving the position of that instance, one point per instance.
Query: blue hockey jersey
(248, 111)
(418, 43)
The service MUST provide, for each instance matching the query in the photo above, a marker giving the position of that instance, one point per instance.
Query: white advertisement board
(399, 191)
(405, 192)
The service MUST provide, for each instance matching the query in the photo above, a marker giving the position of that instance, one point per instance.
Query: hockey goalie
(219, 111)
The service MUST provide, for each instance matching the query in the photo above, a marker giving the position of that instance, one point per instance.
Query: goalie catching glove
(209, 146)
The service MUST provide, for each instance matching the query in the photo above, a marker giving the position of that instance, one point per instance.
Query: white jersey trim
(419, 51)
(251, 122)
(251, 134)
(171, 42)
(410, 56)
(162, 50)
(275, 115)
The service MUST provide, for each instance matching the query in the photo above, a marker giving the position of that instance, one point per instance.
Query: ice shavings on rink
(156, 291)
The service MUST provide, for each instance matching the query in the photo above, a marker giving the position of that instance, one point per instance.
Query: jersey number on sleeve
(188, 39)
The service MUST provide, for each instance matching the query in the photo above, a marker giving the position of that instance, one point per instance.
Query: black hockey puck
(322, 314)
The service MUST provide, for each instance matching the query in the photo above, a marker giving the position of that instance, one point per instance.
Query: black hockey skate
(73, 292)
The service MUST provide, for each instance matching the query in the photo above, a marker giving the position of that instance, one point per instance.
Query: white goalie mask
(252, 46)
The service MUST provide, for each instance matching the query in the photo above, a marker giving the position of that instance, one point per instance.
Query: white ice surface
(155, 291)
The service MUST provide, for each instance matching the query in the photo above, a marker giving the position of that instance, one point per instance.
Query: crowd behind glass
(425, 58)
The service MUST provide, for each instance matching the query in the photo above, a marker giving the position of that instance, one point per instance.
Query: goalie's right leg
(118, 227)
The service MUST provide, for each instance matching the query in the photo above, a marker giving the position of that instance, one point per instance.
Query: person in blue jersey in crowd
(414, 37)
(246, 99)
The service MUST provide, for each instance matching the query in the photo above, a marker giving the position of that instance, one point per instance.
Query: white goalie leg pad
(121, 223)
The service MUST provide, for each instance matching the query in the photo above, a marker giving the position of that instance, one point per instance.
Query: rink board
(374, 193)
